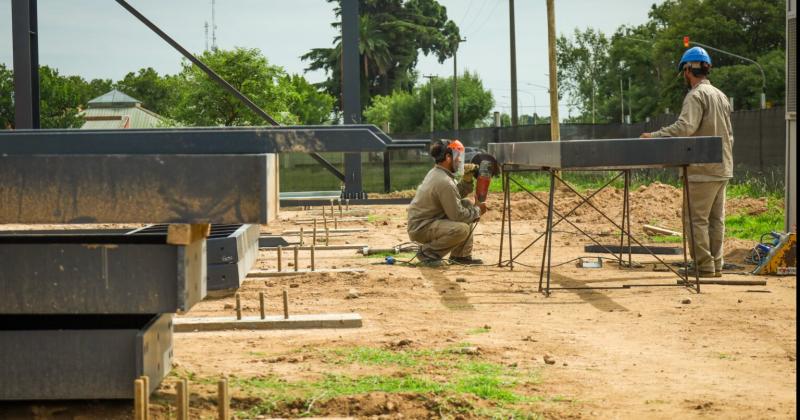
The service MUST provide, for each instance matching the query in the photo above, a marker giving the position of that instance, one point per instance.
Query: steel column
(351, 94)
(26, 63)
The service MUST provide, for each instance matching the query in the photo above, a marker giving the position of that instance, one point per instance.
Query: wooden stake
(146, 381)
(340, 207)
(327, 237)
(312, 258)
(182, 399)
(314, 236)
(335, 223)
(332, 209)
(223, 400)
(301, 235)
(285, 304)
(261, 302)
(238, 307)
(139, 410)
(280, 257)
(295, 258)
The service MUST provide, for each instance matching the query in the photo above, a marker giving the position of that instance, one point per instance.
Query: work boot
(466, 260)
(428, 259)
(691, 273)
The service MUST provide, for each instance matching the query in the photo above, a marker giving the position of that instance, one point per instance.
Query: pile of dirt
(385, 405)
(657, 203)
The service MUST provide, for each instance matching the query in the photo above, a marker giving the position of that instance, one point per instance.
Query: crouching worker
(440, 218)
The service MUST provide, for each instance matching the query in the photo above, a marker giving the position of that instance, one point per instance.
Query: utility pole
(430, 78)
(206, 27)
(514, 111)
(213, 25)
(630, 103)
(455, 86)
(621, 103)
(555, 131)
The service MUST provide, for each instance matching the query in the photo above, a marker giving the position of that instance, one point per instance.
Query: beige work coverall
(706, 112)
(439, 216)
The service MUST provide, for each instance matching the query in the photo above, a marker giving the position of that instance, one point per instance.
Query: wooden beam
(185, 234)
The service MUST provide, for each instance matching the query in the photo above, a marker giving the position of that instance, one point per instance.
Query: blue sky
(97, 38)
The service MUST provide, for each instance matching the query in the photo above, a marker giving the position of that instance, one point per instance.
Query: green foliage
(204, 103)
(392, 34)
(61, 98)
(305, 101)
(648, 54)
(6, 103)
(751, 227)
(158, 94)
(410, 112)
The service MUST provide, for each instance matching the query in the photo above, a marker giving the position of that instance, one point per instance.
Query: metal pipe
(182, 399)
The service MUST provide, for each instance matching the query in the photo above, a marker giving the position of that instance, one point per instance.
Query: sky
(99, 39)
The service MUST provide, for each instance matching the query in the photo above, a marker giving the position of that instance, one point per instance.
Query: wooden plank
(272, 322)
(185, 234)
(267, 273)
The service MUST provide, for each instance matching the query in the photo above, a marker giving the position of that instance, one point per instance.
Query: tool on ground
(389, 260)
(590, 262)
(777, 257)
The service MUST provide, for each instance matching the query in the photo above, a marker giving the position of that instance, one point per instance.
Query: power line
(488, 17)
(466, 12)
(477, 16)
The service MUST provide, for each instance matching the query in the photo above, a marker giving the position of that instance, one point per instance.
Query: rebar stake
(314, 235)
(296, 249)
(238, 307)
(280, 258)
(146, 380)
(182, 399)
(285, 304)
(301, 236)
(261, 304)
(327, 237)
(312, 256)
(223, 400)
(139, 408)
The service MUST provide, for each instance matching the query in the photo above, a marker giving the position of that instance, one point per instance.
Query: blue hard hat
(694, 54)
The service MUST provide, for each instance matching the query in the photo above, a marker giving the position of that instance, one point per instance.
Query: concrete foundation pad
(288, 273)
(274, 322)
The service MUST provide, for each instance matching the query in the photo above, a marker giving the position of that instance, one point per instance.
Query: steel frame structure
(621, 155)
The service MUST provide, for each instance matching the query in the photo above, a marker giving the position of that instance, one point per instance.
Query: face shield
(457, 151)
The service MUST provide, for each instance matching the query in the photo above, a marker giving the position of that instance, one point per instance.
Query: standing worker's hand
(469, 172)
(646, 136)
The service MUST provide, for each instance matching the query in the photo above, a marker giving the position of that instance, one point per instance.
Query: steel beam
(60, 357)
(133, 189)
(364, 202)
(351, 93)
(611, 154)
(98, 273)
(25, 47)
(208, 141)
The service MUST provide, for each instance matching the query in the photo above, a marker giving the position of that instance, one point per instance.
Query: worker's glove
(470, 171)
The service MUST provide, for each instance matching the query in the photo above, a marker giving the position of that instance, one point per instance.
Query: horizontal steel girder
(71, 357)
(133, 189)
(190, 141)
(611, 154)
(62, 272)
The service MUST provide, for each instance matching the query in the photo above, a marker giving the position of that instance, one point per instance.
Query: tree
(61, 98)
(409, 112)
(392, 33)
(158, 94)
(305, 101)
(648, 55)
(6, 97)
(204, 103)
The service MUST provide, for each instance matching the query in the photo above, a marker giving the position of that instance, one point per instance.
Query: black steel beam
(98, 273)
(329, 166)
(351, 93)
(611, 153)
(25, 47)
(353, 202)
(206, 141)
(69, 357)
(133, 188)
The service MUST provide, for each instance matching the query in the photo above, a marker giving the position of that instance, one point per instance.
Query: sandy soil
(619, 353)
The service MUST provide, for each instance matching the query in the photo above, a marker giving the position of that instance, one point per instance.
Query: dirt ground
(640, 352)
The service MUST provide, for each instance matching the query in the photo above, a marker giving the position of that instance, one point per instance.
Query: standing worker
(439, 217)
(706, 111)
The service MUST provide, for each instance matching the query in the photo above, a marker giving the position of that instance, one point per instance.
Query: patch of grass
(751, 227)
(665, 239)
(481, 330)
(438, 372)
(372, 218)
